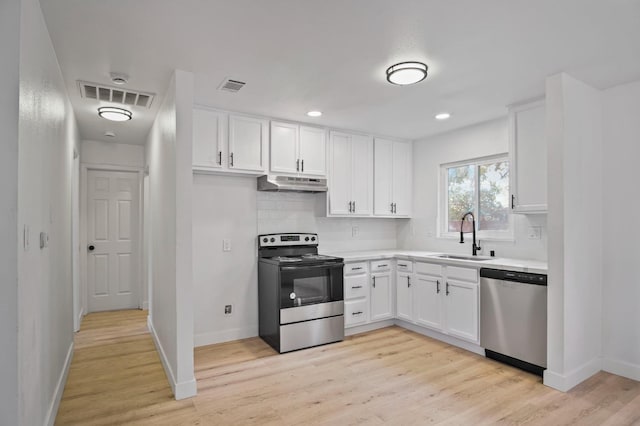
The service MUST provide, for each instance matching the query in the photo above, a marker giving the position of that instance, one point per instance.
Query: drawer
(381, 265)
(356, 286)
(356, 268)
(428, 269)
(404, 266)
(462, 274)
(355, 312)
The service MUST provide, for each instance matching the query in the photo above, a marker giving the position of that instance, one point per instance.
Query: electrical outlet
(227, 309)
(534, 233)
(355, 231)
(226, 245)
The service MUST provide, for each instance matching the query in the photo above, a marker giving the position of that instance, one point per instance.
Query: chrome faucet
(474, 247)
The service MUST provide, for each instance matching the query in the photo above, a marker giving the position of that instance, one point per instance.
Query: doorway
(113, 240)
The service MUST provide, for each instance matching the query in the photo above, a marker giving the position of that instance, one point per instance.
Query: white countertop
(522, 265)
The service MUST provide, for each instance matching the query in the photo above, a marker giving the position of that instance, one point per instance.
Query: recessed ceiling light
(115, 114)
(405, 73)
(443, 116)
(110, 134)
(119, 78)
(314, 113)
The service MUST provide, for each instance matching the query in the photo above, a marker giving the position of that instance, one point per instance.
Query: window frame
(443, 190)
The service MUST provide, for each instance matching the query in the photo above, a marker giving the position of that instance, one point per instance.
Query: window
(480, 186)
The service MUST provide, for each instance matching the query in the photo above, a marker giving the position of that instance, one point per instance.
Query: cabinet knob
(91, 247)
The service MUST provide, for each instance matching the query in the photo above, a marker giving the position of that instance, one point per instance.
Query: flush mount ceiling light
(119, 78)
(405, 73)
(443, 116)
(110, 134)
(314, 113)
(115, 114)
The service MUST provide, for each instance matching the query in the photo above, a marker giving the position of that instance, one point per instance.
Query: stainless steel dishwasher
(513, 318)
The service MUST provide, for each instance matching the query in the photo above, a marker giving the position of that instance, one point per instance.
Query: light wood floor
(390, 376)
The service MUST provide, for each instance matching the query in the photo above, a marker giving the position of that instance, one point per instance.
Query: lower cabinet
(427, 302)
(381, 296)
(404, 296)
(355, 312)
(461, 307)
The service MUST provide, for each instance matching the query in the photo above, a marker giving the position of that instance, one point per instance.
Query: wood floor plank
(387, 376)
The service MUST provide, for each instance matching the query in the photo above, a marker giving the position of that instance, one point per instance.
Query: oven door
(310, 285)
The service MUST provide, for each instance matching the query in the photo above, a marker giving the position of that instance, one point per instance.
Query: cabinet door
(339, 196)
(209, 135)
(461, 306)
(427, 308)
(528, 158)
(247, 143)
(383, 177)
(404, 308)
(362, 177)
(313, 155)
(284, 148)
(381, 296)
(402, 178)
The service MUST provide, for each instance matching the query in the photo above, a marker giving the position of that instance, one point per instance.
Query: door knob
(91, 247)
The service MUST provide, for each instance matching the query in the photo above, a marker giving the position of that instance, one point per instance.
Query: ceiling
(331, 55)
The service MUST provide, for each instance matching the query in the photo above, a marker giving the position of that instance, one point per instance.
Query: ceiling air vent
(117, 95)
(229, 85)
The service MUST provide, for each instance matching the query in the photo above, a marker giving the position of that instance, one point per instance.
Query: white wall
(114, 154)
(169, 159)
(231, 207)
(574, 137)
(9, 84)
(420, 233)
(621, 292)
(48, 137)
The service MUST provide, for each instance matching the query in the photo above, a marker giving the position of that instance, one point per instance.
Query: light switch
(226, 245)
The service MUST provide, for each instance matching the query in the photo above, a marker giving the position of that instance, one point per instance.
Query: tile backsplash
(303, 212)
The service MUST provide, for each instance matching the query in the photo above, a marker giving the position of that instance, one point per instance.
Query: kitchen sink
(464, 257)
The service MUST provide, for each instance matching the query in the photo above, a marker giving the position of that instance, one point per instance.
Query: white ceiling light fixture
(405, 73)
(110, 134)
(443, 116)
(115, 114)
(314, 113)
(119, 78)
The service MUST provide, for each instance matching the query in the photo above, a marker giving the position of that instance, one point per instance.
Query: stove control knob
(313, 238)
(292, 296)
(264, 240)
(273, 240)
(306, 238)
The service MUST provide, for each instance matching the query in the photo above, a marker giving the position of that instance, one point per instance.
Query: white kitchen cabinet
(461, 299)
(248, 142)
(427, 303)
(351, 175)
(356, 312)
(393, 178)
(224, 143)
(528, 158)
(381, 292)
(297, 150)
(404, 296)
(356, 293)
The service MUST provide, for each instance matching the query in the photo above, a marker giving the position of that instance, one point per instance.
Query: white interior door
(112, 240)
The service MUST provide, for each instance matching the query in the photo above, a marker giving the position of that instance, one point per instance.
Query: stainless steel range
(300, 292)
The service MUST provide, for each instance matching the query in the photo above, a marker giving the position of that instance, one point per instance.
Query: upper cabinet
(393, 178)
(528, 158)
(297, 150)
(350, 175)
(231, 143)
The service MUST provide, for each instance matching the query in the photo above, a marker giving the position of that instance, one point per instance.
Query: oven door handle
(320, 266)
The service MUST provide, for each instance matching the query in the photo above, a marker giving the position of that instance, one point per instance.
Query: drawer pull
(356, 269)
(404, 265)
(357, 313)
(356, 286)
(383, 266)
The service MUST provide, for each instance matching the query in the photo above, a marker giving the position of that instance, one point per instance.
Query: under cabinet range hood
(291, 184)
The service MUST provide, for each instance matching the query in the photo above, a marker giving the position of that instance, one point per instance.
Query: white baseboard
(621, 368)
(471, 347)
(57, 395)
(368, 327)
(204, 339)
(145, 305)
(181, 390)
(80, 316)
(565, 382)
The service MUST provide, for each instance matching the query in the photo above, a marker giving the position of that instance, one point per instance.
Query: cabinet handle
(298, 165)
(513, 201)
(220, 157)
(447, 288)
(402, 264)
(437, 286)
(356, 269)
(391, 207)
(408, 281)
(354, 206)
(357, 313)
(395, 208)
(302, 165)
(231, 156)
(374, 282)
(383, 266)
(356, 286)
(350, 206)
